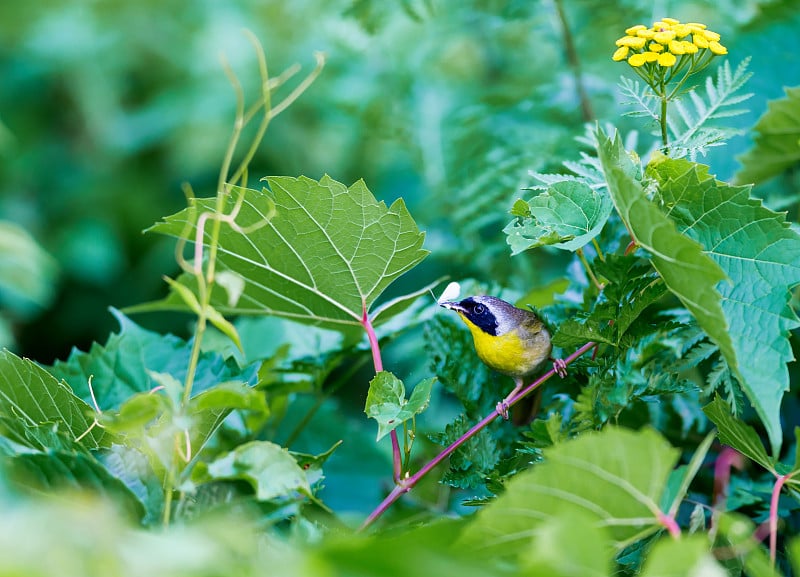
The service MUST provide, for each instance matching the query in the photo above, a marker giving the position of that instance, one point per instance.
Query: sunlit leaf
(386, 402)
(324, 257)
(617, 477)
(269, 468)
(567, 216)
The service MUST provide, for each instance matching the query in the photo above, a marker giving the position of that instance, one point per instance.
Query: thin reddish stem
(670, 524)
(773, 514)
(406, 485)
(397, 459)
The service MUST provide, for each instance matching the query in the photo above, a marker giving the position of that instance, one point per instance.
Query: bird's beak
(453, 306)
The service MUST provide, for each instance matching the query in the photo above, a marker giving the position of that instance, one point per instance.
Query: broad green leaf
(269, 468)
(688, 557)
(737, 434)
(777, 141)
(57, 471)
(387, 403)
(568, 215)
(31, 395)
(690, 274)
(324, 257)
(760, 253)
(569, 546)
(124, 365)
(617, 477)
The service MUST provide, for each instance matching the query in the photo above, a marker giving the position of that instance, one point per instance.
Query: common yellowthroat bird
(509, 340)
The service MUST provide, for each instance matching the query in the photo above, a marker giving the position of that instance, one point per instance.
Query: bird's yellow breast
(508, 353)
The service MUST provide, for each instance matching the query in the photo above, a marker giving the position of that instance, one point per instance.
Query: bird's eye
(479, 309)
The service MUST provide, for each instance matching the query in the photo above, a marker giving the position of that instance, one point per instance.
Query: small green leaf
(386, 402)
(30, 394)
(269, 468)
(230, 395)
(325, 256)
(135, 413)
(738, 435)
(777, 141)
(568, 215)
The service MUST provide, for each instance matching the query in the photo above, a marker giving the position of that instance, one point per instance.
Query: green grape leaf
(569, 546)
(688, 557)
(616, 477)
(568, 215)
(760, 253)
(387, 403)
(269, 468)
(324, 257)
(777, 142)
(30, 396)
(737, 434)
(689, 274)
(125, 365)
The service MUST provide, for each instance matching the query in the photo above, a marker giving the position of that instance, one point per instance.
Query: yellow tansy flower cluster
(667, 43)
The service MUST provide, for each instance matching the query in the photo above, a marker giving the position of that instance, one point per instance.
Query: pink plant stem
(405, 485)
(727, 458)
(670, 524)
(773, 515)
(397, 463)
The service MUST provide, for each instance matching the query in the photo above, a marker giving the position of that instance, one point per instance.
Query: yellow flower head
(620, 54)
(634, 29)
(717, 48)
(700, 41)
(676, 47)
(666, 59)
(631, 41)
(668, 42)
(636, 60)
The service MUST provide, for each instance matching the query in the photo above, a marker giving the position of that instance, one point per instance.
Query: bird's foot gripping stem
(502, 409)
(560, 367)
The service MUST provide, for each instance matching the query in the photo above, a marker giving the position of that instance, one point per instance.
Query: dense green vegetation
(264, 384)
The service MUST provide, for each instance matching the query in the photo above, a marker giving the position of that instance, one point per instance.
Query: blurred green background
(107, 107)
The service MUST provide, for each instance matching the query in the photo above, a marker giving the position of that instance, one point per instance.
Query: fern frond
(641, 97)
(690, 115)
